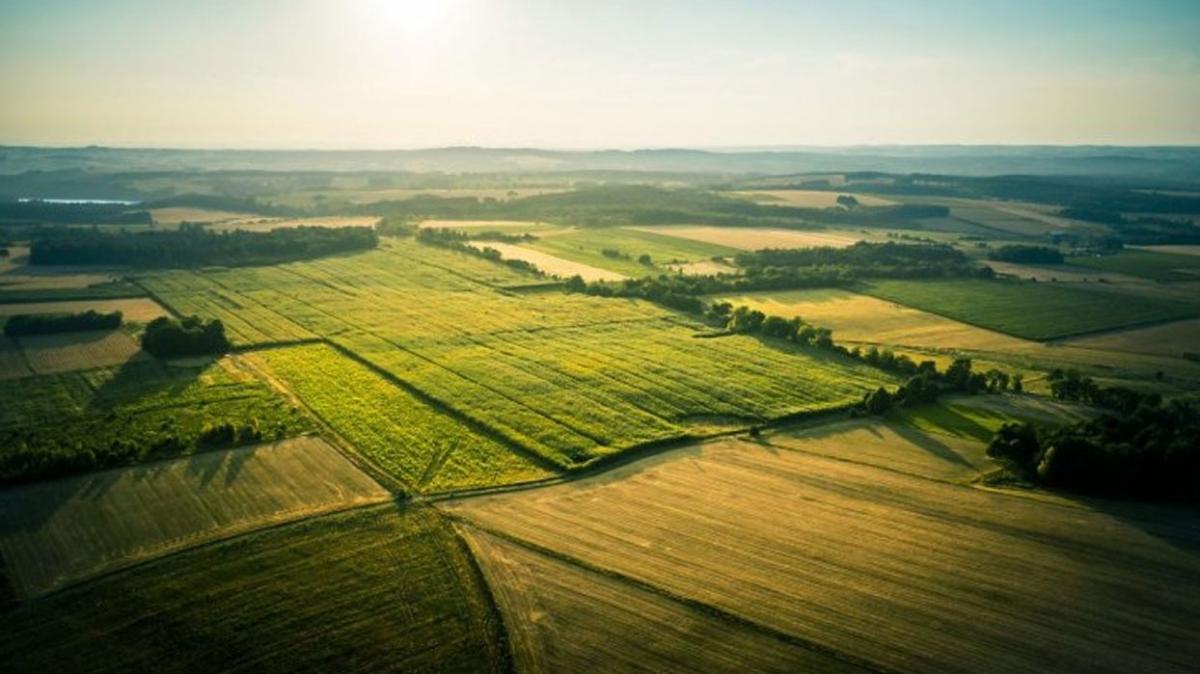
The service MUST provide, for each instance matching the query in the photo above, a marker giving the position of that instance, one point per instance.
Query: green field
(54, 533)
(141, 411)
(382, 590)
(422, 447)
(1147, 264)
(564, 376)
(1026, 309)
(587, 246)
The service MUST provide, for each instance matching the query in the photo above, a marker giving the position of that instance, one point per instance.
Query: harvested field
(56, 533)
(1174, 250)
(255, 223)
(753, 238)
(809, 198)
(519, 225)
(550, 264)
(138, 309)
(375, 590)
(69, 351)
(703, 268)
(176, 215)
(624, 247)
(1059, 273)
(902, 572)
(1168, 339)
(564, 618)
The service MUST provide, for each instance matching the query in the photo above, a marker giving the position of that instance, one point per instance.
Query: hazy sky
(562, 73)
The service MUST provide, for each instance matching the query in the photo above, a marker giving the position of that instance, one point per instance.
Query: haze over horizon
(370, 74)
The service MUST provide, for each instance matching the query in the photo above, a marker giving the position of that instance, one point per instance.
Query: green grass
(78, 421)
(586, 246)
(568, 377)
(1027, 309)
(1147, 264)
(424, 448)
(979, 417)
(113, 290)
(370, 591)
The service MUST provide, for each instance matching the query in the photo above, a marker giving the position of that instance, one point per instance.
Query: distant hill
(1177, 163)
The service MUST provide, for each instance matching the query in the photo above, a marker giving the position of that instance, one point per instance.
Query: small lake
(76, 202)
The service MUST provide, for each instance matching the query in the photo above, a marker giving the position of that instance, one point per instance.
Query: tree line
(44, 324)
(1140, 446)
(193, 245)
(36, 211)
(791, 269)
(1021, 254)
(458, 240)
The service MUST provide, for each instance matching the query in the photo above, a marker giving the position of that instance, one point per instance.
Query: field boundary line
(137, 281)
(394, 484)
(208, 542)
(694, 604)
(447, 409)
(507, 662)
(603, 464)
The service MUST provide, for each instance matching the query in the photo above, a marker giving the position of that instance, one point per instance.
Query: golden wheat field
(564, 618)
(809, 198)
(903, 572)
(55, 533)
(550, 264)
(138, 309)
(753, 238)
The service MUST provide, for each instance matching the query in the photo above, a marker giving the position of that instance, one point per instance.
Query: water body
(76, 202)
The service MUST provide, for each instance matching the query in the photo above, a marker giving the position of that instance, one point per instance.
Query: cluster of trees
(867, 259)
(44, 324)
(1140, 446)
(925, 383)
(1021, 254)
(503, 237)
(192, 245)
(191, 336)
(746, 321)
(217, 436)
(36, 211)
(457, 240)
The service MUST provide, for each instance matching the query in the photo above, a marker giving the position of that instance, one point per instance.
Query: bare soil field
(551, 264)
(809, 198)
(256, 223)
(70, 351)
(487, 224)
(898, 571)
(1178, 250)
(176, 215)
(703, 268)
(138, 309)
(1168, 339)
(753, 238)
(53, 534)
(564, 618)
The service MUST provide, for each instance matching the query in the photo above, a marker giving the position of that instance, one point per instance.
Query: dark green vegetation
(45, 324)
(1028, 309)
(381, 590)
(192, 246)
(1027, 254)
(35, 212)
(1140, 446)
(1152, 265)
(80, 421)
(99, 291)
(189, 336)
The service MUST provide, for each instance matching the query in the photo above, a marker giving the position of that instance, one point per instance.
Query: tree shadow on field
(1176, 524)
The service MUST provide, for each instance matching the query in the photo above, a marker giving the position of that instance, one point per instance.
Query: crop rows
(566, 376)
(424, 448)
